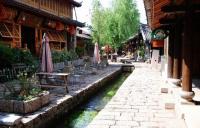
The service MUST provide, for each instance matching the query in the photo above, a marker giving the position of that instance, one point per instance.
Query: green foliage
(11, 56)
(61, 56)
(6, 56)
(80, 51)
(25, 89)
(141, 51)
(56, 56)
(73, 54)
(116, 24)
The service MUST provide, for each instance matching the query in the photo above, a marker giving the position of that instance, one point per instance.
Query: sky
(84, 12)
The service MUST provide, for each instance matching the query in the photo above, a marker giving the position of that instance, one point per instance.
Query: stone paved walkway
(138, 104)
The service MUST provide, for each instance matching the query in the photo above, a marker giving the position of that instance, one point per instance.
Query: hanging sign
(157, 43)
(159, 34)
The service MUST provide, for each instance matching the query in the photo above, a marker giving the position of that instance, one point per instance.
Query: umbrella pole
(45, 58)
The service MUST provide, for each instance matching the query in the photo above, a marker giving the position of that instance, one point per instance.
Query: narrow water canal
(81, 116)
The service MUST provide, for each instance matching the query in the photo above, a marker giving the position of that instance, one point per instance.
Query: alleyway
(138, 104)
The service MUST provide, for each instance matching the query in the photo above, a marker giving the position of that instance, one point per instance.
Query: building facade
(23, 22)
(176, 24)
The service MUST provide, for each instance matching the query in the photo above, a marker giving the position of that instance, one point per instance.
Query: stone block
(169, 105)
(6, 105)
(18, 106)
(32, 105)
(9, 119)
(164, 90)
(45, 97)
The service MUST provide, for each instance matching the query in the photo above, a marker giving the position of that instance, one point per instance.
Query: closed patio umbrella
(46, 65)
(96, 57)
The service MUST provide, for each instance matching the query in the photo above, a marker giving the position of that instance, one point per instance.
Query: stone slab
(140, 103)
(169, 105)
(164, 90)
(9, 119)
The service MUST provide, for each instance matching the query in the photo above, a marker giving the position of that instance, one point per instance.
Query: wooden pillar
(170, 55)
(36, 42)
(177, 52)
(187, 92)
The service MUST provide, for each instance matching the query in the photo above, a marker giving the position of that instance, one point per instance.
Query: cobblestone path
(138, 104)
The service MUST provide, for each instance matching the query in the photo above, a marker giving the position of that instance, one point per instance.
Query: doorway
(28, 38)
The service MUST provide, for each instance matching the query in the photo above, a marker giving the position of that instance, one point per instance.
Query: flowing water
(81, 116)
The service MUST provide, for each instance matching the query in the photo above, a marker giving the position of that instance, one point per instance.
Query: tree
(116, 24)
(96, 20)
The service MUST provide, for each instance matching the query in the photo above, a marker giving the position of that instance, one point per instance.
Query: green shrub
(11, 56)
(56, 55)
(80, 51)
(25, 56)
(25, 88)
(6, 56)
(73, 54)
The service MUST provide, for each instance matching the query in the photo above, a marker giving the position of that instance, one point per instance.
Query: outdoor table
(54, 76)
(124, 60)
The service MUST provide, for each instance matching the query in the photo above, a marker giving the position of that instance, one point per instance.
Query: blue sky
(84, 12)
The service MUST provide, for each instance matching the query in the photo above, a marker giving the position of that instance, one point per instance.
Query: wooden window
(56, 36)
(11, 31)
(16, 31)
(5, 30)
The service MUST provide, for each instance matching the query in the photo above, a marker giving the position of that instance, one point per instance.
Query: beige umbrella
(47, 64)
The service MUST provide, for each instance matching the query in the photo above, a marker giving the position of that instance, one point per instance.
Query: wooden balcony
(61, 8)
(57, 10)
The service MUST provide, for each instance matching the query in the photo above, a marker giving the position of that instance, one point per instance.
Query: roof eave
(39, 12)
(75, 3)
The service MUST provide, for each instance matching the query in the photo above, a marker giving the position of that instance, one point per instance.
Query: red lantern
(51, 24)
(107, 49)
(59, 26)
(71, 29)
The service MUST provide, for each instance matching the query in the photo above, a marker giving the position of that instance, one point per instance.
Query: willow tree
(97, 26)
(116, 24)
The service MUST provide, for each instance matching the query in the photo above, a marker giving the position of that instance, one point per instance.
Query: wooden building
(142, 38)
(23, 22)
(179, 21)
(84, 39)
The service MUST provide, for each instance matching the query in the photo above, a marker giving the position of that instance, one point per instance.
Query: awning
(83, 36)
(8, 30)
(5, 30)
(39, 12)
(56, 36)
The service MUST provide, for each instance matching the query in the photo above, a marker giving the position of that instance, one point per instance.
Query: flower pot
(23, 107)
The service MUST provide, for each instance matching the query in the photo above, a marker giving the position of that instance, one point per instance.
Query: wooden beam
(167, 21)
(35, 11)
(179, 8)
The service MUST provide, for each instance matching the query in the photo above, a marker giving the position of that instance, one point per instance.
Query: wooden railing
(8, 74)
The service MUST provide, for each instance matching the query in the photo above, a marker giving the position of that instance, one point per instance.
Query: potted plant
(21, 96)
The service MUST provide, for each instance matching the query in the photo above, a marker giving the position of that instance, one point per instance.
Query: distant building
(143, 37)
(84, 41)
